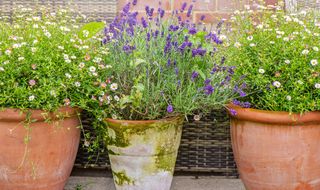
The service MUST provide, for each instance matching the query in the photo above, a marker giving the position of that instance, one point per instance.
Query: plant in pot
(163, 69)
(276, 141)
(46, 77)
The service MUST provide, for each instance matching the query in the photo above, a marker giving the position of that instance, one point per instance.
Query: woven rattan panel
(100, 9)
(205, 148)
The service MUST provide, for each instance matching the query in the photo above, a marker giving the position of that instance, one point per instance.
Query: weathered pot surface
(39, 155)
(143, 153)
(276, 150)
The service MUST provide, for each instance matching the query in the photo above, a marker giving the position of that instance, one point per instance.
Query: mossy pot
(143, 153)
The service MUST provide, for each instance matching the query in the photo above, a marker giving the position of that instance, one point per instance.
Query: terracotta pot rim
(15, 114)
(274, 117)
(136, 122)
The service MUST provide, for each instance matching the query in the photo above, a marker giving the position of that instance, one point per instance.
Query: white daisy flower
(237, 45)
(250, 38)
(35, 41)
(36, 18)
(68, 75)
(16, 46)
(46, 33)
(6, 62)
(73, 57)
(77, 84)
(20, 58)
(116, 98)
(31, 98)
(81, 65)
(276, 84)
(286, 39)
(114, 86)
(288, 98)
(261, 71)
(287, 61)
(272, 42)
(35, 26)
(68, 61)
(305, 52)
(61, 47)
(252, 45)
(315, 48)
(317, 85)
(1, 69)
(92, 69)
(33, 49)
(314, 62)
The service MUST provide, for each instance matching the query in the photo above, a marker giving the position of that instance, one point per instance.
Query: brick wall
(214, 10)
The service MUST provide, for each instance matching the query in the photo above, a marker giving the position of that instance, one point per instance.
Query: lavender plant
(278, 52)
(166, 65)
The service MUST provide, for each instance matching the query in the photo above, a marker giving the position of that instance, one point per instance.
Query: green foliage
(278, 53)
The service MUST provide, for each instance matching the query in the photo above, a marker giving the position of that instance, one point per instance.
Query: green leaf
(137, 62)
(92, 27)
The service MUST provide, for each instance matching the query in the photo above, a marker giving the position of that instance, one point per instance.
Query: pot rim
(136, 122)
(273, 117)
(16, 114)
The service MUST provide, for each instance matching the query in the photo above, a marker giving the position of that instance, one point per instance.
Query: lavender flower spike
(170, 108)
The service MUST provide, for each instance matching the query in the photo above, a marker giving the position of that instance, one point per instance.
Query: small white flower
(84, 47)
(305, 52)
(261, 71)
(77, 84)
(73, 57)
(36, 18)
(16, 46)
(20, 58)
(61, 47)
(277, 84)
(317, 85)
(114, 86)
(8, 52)
(237, 45)
(116, 98)
(288, 98)
(97, 60)
(6, 62)
(272, 42)
(286, 39)
(109, 98)
(287, 61)
(315, 48)
(260, 26)
(252, 44)
(31, 98)
(81, 65)
(314, 62)
(67, 61)
(92, 69)
(1, 69)
(46, 33)
(85, 33)
(72, 40)
(35, 41)
(35, 26)
(53, 93)
(95, 74)
(33, 49)
(250, 38)
(223, 37)
(68, 75)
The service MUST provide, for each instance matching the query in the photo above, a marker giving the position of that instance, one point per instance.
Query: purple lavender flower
(161, 12)
(128, 48)
(168, 63)
(223, 59)
(126, 8)
(192, 31)
(144, 22)
(208, 89)
(148, 36)
(207, 81)
(216, 39)
(183, 7)
(214, 70)
(170, 108)
(194, 75)
(202, 17)
(232, 112)
(246, 105)
(168, 47)
(198, 51)
(189, 11)
(242, 94)
(179, 83)
(155, 34)
(175, 62)
(134, 2)
(236, 102)
(176, 71)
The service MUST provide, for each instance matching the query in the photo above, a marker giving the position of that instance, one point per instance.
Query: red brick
(165, 4)
(212, 17)
(199, 5)
(231, 5)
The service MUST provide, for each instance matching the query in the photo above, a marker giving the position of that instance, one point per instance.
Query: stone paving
(179, 183)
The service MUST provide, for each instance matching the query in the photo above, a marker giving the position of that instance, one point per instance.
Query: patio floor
(179, 183)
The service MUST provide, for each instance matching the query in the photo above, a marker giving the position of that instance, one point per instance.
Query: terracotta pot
(276, 150)
(45, 161)
(143, 153)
